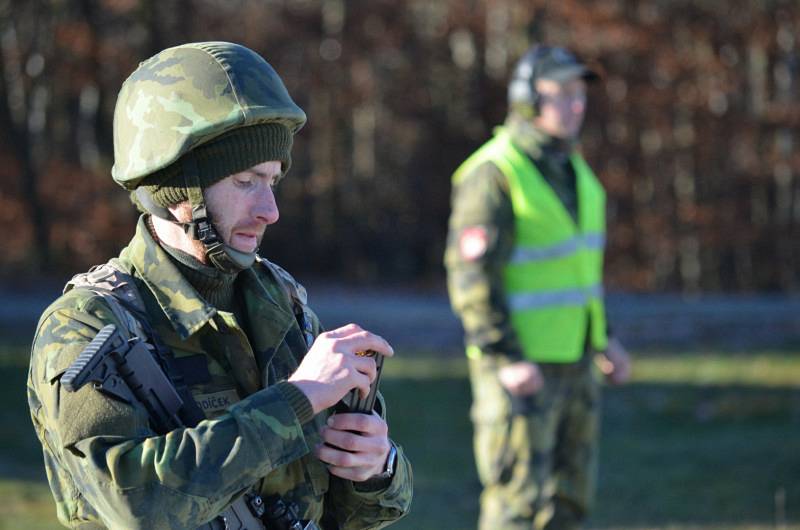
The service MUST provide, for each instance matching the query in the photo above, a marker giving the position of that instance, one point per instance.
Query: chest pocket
(211, 386)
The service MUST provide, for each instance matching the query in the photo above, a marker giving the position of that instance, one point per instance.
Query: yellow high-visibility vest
(553, 281)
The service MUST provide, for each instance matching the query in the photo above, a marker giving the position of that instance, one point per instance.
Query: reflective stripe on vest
(553, 279)
(524, 301)
(565, 248)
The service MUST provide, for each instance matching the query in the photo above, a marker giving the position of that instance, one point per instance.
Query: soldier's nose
(265, 210)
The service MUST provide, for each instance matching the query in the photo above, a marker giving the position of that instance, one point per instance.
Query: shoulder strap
(118, 289)
(296, 292)
(298, 296)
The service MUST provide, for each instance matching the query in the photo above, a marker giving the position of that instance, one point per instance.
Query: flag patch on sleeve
(473, 242)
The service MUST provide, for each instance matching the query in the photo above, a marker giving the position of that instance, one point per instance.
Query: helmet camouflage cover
(186, 96)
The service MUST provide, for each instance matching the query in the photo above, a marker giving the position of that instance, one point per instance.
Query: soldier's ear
(182, 211)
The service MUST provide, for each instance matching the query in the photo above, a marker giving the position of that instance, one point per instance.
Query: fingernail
(330, 420)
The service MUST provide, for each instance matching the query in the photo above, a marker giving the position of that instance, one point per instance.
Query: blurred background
(694, 131)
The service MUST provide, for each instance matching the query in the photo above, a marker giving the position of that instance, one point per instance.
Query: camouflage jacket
(480, 204)
(108, 468)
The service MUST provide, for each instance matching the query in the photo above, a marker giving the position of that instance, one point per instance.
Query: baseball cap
(558, 64)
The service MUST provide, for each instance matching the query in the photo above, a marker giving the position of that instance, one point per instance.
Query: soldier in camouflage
(524, 263)
(202, 133)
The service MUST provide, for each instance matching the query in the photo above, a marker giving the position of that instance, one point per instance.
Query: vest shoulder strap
(118, 289)
(298, 296)
(496, 150)
(296, 292)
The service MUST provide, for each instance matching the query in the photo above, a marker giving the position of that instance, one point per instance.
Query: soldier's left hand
(356, 445)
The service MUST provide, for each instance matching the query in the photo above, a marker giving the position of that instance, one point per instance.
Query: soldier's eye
(243, 180)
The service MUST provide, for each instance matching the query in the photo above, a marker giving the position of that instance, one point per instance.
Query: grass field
(702, 440)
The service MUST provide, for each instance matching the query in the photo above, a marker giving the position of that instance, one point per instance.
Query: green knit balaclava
(189, 117)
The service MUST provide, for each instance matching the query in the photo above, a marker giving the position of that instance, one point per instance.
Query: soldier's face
(243, 205)
(561, 108)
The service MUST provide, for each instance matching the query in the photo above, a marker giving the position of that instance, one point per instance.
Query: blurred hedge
(693, 130)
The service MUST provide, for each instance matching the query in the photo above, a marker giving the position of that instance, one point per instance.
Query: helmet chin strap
(201, 228)
(222, 256)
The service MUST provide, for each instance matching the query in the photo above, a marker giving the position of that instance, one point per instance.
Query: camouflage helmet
(186, 96)
(192, 115)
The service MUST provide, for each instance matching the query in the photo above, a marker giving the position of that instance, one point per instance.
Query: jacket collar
(186, 310)
(182, 305)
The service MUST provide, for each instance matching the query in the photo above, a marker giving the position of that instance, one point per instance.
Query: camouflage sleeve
(356, 507)
(479, 243)
(133, 477)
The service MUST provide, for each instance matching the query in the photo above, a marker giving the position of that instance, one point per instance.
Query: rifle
(128, 371)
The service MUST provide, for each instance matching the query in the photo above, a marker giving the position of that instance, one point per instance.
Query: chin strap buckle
(200, 228)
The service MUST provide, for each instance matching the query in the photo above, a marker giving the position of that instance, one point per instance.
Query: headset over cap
(192, 115)
(543, 62)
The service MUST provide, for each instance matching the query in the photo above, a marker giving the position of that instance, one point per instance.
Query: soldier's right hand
(521, 378)
(331, 367)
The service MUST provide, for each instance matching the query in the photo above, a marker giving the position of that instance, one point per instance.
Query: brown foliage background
(694, 130)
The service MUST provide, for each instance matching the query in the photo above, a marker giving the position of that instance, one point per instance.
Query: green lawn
(702, 440)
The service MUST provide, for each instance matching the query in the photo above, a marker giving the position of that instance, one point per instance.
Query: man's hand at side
(356, 445)
(331, 367)
(616, 363)
(521, 378)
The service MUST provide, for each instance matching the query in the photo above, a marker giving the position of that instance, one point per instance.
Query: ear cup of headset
(521, 87)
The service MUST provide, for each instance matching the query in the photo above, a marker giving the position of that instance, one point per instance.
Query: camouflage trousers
(536, 456)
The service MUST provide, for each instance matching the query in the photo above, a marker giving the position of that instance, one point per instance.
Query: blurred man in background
(202, 134)
(525, 260)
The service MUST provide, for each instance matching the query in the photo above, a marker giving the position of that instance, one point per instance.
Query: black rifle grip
(76, 374)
